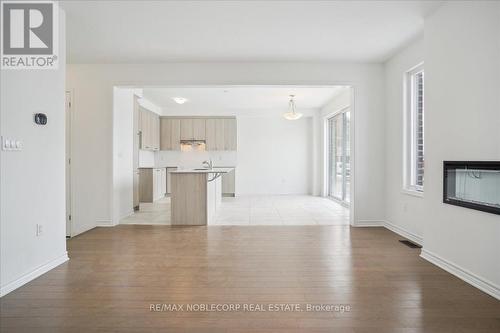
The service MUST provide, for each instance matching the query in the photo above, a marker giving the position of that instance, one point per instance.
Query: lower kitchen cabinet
(229, 184)
(152, 184)
(135, 184)
(169, 182)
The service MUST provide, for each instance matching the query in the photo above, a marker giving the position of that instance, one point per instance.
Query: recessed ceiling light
(180, 100)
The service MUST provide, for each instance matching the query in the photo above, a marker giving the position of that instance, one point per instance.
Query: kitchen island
(196, 195)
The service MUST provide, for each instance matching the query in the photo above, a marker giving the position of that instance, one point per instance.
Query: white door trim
(70, 188)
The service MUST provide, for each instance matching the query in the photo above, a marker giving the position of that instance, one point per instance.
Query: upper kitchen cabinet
(210, 134)
(150, 130)
(170, 134)
(186, 129)
(192, 128)
(156, 131)
(214, 134)
(199, 129)
(230, 134)
(165, 134)
(218, 133)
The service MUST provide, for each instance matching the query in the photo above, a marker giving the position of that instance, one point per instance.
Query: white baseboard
(4, 290)
(482, 284)
(104, 223)
(368, 223)
(403, 232)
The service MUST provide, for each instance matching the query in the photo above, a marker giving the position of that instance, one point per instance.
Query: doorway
(339, 156)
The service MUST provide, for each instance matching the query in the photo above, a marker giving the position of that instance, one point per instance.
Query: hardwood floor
(115, 274)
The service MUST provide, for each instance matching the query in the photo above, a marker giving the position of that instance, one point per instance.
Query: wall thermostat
(40, 118)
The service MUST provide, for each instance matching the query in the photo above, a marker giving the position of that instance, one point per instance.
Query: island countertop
(200, 170)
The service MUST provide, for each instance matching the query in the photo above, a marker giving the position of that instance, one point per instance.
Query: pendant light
(292, 114)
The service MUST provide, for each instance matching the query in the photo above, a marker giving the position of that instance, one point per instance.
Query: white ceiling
(312, 31)
(240, 100)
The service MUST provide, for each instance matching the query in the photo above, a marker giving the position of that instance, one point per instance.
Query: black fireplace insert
(472, 184)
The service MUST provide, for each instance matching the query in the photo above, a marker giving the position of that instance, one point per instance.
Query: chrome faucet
(208, 164)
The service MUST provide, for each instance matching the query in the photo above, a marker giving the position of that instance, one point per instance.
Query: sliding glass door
(339, 156)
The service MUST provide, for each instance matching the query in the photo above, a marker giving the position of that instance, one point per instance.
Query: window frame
(410, 153)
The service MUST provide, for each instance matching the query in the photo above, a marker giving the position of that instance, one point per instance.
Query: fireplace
(472, 184)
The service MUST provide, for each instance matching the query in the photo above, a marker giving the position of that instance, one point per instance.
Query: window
(339, 156)
(414, 125)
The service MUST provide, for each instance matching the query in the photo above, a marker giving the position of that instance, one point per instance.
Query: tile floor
(256, 210)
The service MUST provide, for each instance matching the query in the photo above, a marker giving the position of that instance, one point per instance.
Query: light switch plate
(10, 144)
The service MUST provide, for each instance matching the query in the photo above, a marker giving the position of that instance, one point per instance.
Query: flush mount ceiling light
(180, 100)
(292, 114)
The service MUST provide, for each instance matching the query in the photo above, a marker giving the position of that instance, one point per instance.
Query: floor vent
(410, 244)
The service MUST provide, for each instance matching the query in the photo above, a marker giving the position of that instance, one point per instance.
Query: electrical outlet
(39, 229)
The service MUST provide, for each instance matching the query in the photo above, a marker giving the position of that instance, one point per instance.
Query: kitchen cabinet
(210, 134)
(230, 134)
(149, 129)
(229, 183)
(176, 134)
(218, 133)
(186, 129)
(214, 134)
(170, 133)
(156, 131)
(199, 129)
(135, 181)
(144, 127)
(165, 134)
(152, 184)
(169, 179)
(192, 128)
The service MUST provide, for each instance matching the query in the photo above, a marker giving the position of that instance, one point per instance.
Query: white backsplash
(194, 159)
(146, 159)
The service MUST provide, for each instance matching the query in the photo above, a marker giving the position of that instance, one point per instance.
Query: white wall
(462, 122)
(401, 209)
(274, 156)
(33, 180)
(123, 135)
(93, 88)
(367, 133)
